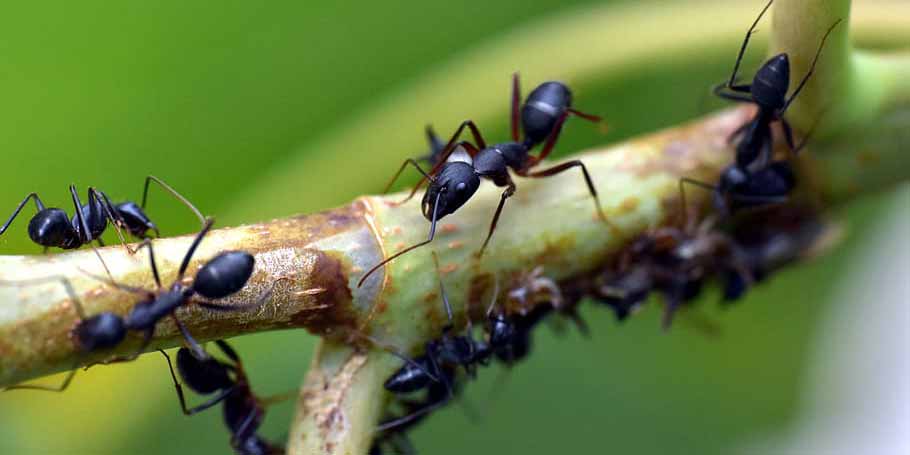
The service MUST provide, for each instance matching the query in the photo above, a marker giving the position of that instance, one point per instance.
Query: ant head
(137, 222)
(542, 108)
(102, 331)
(771, 82)
(51, 227)
(224, 274)
(204, 376)
(450, 189)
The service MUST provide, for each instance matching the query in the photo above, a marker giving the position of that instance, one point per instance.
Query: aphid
(453, 182)
(52, 227)
(243, 411)
(768, 91)
(673, 261)
(221, 276)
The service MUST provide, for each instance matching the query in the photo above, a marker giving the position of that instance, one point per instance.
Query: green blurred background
(216, 97)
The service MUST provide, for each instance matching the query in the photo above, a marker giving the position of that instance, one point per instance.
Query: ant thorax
(460, 155)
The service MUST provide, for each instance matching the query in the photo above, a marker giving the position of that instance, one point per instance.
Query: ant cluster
(221, 276)
(753, 231)
(735, 247)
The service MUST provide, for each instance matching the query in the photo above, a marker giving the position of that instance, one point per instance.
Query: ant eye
(460, 187)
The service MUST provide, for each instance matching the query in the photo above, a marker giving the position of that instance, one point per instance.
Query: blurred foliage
(212, 95)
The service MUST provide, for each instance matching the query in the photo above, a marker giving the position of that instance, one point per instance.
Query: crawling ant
(453, 182)
(435, 370)
(768, 91)
(753, 179)
(51, 227)
(221, 276)
(242, 410)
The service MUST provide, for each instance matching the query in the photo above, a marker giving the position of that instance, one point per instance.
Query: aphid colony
(735, 246)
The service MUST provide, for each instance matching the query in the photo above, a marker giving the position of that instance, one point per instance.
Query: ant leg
(173, 192)
(206, 227)
(196, 409)
(551, 141)
(509, 191)
(60, 388)
(194, 346)
(584, 115)
(412, 247)
(397, 422)
(734, 93)
(242, 307)
(584, 170)
(112, 214)
(246, 426)
(805, 79)
(38, 204)
(516, 104)
(86, 236)
(450, 146)
(742, 49)
(228, 351)
(405, 164)
(77, 303)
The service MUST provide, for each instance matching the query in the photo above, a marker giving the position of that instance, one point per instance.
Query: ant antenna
(412, 247)
(442, 290)
(742, 49)
(818, 53)
(189, 253)
(173, 192)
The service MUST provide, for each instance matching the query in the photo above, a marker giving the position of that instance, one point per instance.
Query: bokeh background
(255, 110)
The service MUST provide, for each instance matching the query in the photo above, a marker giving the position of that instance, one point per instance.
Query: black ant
(435, 370)
(768, 91)
(242, 410)
(221, 276)
(453, 182)
(52, 227)
(753, 179)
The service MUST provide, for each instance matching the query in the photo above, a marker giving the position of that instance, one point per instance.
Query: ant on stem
(453, 182)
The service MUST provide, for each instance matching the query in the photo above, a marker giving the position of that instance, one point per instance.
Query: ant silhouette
(435, 370)
(453, 182)
(754, 180)
(768, 91)
(52, 227)
(242, 410)
(223, 275)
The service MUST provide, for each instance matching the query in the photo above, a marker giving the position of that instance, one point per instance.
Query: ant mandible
(453, 182)
(51, 227)
(768, 91)
(242, 410)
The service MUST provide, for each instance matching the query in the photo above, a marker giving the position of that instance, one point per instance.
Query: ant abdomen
(224, 275)
(204, 376)
(543, 107)
(51, 227)
(771, 82)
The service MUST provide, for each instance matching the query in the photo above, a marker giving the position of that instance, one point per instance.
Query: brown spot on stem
(330, 308)
(448, 228)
